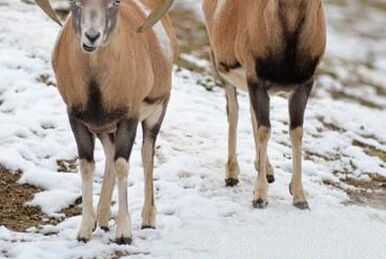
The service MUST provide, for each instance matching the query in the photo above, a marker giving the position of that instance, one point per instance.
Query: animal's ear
(47, 8)
(156, 15)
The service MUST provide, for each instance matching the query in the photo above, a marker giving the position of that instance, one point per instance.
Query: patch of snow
(54, 201)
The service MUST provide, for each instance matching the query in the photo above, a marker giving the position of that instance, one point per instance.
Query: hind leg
(297, 106)
(260, 103)
(270, 173)
(232, 170)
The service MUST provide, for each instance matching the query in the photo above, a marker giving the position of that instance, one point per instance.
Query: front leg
(85, 143)
(260, 104)
(104, 206)
(125, 138)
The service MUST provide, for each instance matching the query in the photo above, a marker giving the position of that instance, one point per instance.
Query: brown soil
(14, 214)
(371, 150)
(371, 192)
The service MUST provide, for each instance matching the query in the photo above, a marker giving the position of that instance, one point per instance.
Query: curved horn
(47, 8)
(156, 15)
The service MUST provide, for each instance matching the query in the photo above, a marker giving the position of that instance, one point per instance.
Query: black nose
(92, 37)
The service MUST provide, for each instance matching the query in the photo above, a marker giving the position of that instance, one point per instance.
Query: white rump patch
(159, 30)
(150, 112)
(237, 78)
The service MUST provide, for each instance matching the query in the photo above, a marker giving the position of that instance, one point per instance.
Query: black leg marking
(298, 103)
(85, 140)
(260, 102)
(125, 137)
(151, 131)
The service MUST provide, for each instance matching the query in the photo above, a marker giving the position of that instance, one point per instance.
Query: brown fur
(243, 31)
(128, 70)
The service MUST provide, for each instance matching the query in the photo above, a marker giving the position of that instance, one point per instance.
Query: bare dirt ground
(15, 213)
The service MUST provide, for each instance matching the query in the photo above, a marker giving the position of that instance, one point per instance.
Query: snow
(53, 201)
(197, 216)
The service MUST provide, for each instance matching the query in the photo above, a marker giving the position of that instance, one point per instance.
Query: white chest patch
(159, 30)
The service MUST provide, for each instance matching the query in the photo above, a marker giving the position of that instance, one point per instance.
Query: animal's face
(94, 21)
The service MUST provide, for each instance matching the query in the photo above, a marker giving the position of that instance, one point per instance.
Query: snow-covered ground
(197, 216)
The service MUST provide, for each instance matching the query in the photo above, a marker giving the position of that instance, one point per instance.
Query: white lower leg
(149, 210)
(88, 214)
(232, 166)
(270, 173)
(299, 197)
(104, 206)
(261, 184)
(123, 231)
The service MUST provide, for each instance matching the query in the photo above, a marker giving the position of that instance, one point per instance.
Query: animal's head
(94, 20)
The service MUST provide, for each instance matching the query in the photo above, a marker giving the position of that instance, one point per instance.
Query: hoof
(147, 227)
(123, 241)
(270, 178)
(260, 204)
(105, 229)
(82, 240)
(303, 205)
(230, 182)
